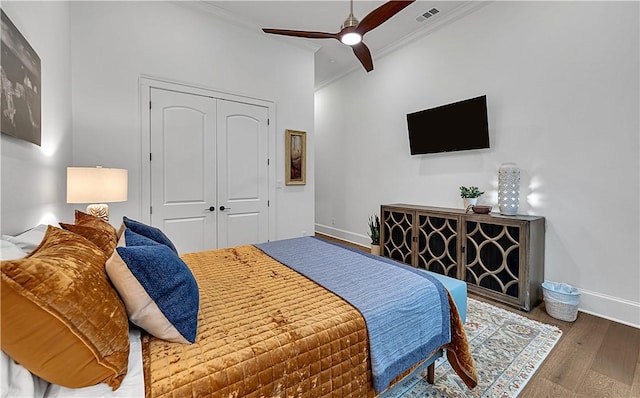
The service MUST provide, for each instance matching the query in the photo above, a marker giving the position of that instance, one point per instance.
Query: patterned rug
(507, 348)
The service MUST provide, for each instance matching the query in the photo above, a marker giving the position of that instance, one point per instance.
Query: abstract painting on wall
(295, 157)
(20, 88)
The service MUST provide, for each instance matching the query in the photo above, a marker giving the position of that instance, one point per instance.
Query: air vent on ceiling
(427, 14)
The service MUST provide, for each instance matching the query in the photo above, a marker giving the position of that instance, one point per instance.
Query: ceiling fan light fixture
(352, 31)
(351, 38)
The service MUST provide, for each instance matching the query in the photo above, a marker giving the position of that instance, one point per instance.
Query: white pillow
(29, 239)
(16, 381)
(10, 251)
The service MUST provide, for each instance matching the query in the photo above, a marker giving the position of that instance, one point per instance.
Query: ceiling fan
(352, 30)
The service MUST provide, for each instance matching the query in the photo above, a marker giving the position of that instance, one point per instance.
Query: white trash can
(561, 300)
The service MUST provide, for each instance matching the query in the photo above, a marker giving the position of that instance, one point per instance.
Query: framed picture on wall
(20, 85)
(295, 155)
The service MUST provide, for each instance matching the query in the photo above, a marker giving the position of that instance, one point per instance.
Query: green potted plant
(374, 234)
(470, 196)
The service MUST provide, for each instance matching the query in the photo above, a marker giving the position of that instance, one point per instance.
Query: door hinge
(150, 209)
(149, 156)
(268, 161)
(268, 203)
(268, 121)
(149, 104)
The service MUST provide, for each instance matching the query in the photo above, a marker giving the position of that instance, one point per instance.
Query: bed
(264, 323)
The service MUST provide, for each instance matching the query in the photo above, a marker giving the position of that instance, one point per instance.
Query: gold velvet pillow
(61, 319)
(92, 221)
(101, 238)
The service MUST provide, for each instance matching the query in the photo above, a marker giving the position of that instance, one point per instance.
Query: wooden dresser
(500, 257)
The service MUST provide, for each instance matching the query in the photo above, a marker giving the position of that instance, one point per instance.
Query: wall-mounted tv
(459, 126)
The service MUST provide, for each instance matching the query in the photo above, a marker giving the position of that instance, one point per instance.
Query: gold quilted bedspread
(263, 331)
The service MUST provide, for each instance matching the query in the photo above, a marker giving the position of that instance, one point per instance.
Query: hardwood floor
(595, 357)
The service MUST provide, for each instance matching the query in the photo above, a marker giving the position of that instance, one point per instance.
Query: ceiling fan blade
(301, 33)
(364, 55)
(380, 15)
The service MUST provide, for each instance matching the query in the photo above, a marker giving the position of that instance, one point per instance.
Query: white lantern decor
(508, 188)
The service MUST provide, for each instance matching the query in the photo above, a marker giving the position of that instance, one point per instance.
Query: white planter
(375, 249)
(469, 202)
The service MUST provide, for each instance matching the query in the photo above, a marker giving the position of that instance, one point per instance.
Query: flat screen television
(459, 126)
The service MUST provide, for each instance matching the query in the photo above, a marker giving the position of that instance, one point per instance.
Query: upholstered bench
(457, 289)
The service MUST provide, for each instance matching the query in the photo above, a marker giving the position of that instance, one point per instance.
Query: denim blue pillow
(133, 239)
(148, 231)
(168, 281)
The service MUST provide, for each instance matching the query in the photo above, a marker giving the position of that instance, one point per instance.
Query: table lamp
(96, 186)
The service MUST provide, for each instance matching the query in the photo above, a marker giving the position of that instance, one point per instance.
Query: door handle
(222, 208)
(211, 208)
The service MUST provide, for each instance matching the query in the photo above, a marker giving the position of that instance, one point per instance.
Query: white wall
(114, 43)
(33, 177)
(562, 84)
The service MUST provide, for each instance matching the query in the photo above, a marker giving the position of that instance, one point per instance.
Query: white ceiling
(332, 58)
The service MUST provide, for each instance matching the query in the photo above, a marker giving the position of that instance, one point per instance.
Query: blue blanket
(406, 310)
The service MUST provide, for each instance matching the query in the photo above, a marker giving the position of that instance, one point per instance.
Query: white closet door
(243, 194)
(183, 168)
(209, 170)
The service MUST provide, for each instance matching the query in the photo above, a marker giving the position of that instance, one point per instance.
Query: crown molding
(210, 8)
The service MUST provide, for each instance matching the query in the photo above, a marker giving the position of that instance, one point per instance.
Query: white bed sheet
(29, 239)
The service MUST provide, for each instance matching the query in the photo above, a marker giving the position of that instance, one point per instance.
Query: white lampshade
(96, 185)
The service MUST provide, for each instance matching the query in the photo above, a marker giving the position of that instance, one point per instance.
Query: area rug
(507, 349)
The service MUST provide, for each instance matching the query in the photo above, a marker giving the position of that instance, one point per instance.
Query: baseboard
(612, 308)
(356, 239)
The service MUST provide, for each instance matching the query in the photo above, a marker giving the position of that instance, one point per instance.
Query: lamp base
(99, 210)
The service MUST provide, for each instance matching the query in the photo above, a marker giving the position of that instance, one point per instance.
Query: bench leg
(431, 373)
